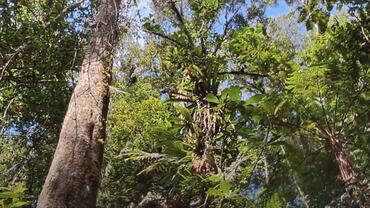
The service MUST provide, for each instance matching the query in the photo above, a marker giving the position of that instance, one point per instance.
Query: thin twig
(362, 29)
(181, 100)
(7, 108)
(18, 50)
(349, 107)
(165, 37)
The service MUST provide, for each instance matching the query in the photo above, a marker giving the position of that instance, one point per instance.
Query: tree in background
(40, 52)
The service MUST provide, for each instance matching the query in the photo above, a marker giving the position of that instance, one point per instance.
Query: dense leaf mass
(214, 103)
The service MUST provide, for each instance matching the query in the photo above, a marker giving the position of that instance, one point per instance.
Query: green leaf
(309, 24)
(267, 106)
(174, 148)
(208, 3)
(365, 96)
(21, 204)
(213, 178)
(212, 98)
(214, 192)
(234, 93)
(256, 118)
(225, 186)
(195, 70)
(279, 107)
(245, 132)
(9, 194)
(174, 130)
(184, 112)
(151, 27)
(148, 169)
(19, 188)
(254, 99)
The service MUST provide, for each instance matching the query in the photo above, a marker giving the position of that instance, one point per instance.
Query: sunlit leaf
(254, 99)
(212, 98)
(233, 93)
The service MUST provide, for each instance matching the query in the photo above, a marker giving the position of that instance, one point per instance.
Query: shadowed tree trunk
(75, 172)
(357, 192)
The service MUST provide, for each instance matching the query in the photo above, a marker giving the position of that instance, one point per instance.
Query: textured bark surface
(345, 167)
(357, 192)
(74, 175)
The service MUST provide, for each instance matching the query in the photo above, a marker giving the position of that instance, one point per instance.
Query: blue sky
(279, 9)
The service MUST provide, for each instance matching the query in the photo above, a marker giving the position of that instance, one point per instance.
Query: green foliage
(212, 98)
(252, 47)
(261, 119)
(39, 53)
(232, 93)
(138, 127)
(13, 197)
(215, 106)
(166, 152)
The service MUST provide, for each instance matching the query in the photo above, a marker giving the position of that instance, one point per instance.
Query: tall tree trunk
(357, 192)
(74, 175)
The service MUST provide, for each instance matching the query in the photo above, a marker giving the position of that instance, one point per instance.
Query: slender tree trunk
(357, 192)
(74, 175)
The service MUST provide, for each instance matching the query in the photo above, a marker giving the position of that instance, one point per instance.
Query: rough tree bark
(357, 192)
(74, 175)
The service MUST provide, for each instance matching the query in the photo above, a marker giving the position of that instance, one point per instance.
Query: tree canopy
(214, 103)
